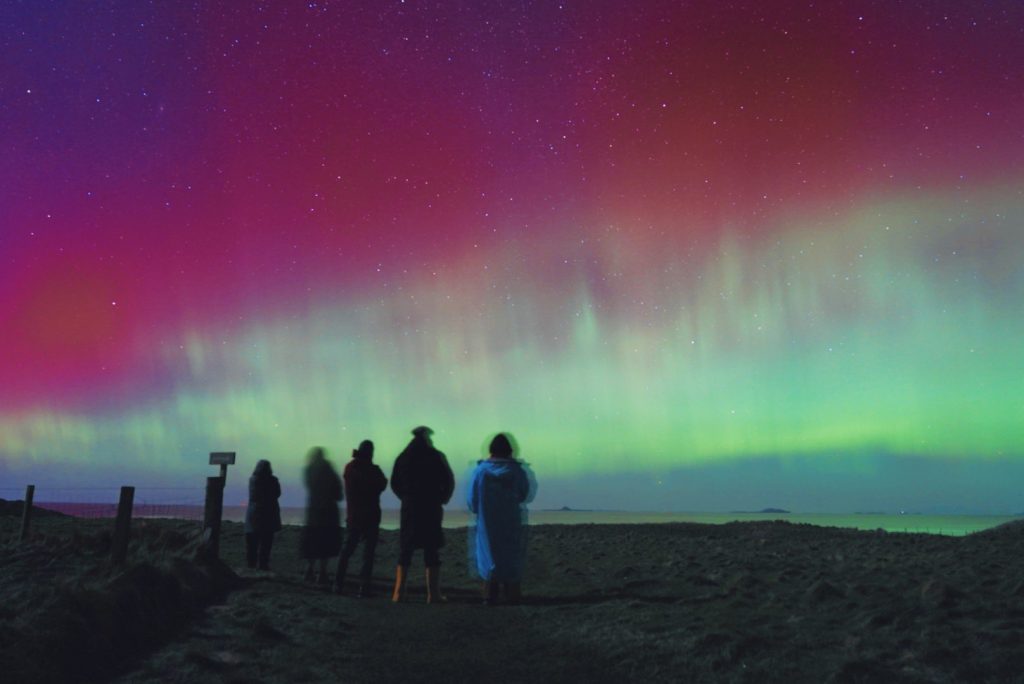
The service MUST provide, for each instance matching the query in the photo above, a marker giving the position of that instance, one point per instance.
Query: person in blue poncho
(497, 493)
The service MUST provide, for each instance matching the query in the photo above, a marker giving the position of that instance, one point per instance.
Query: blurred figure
(423, 482)
(497, 494)
(262, 515)
(321, 536)
(364, 482)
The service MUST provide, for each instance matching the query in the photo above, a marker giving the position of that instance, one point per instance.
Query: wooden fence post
(122, 524)
(212, 514)
(26, 513)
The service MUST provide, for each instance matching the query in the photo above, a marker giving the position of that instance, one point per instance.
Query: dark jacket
(423, 481)
(364, 482)
(323, 487)
(263, 514)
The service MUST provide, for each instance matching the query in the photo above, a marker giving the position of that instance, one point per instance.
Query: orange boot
(398, 595)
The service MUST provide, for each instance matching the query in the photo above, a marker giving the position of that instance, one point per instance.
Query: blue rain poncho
(496, 493)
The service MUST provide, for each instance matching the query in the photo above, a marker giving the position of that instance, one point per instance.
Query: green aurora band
(893, 329)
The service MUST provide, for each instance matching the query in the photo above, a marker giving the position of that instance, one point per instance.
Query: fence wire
(180, 503)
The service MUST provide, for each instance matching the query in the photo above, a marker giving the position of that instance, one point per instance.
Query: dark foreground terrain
(743, 602)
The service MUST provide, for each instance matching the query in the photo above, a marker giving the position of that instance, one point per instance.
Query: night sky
(693, 255)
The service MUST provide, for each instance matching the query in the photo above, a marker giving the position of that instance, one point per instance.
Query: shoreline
(913, 523)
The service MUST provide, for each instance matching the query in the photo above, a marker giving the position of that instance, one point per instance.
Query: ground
(743, 602)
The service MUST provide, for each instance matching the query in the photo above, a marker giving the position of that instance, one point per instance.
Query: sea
(956, 525)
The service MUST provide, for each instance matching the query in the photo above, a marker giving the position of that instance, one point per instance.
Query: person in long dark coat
(262, 515)
(424, 483)
(364, 482)
(321, 535)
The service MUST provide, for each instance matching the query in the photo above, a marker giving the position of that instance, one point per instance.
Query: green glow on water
(950, 525)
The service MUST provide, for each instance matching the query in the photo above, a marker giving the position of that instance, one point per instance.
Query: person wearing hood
(321, 535)
(262, 515)
(497, 492)
(423, 482)
(364, 482)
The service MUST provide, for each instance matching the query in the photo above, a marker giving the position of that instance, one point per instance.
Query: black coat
(321, 536)
(423, 481)
(323, 488)
(364, 482)
(263, 514)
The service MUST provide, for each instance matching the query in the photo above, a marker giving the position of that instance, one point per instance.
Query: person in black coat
(262, 515)
(423, 481)
(364, 482)
(321, 535)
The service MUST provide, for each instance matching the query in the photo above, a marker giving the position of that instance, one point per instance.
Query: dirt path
(278, 629)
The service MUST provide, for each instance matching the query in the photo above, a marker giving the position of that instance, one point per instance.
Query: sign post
(214, 507)
(223, 459)
(211, 516)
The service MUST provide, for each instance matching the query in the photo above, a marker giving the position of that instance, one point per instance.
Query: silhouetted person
(423, 482)
(364, 482)
(262, 515)
(321, 536)
(497, 493)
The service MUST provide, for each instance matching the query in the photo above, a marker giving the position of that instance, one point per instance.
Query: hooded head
(262, 468)
(365, 450)
(500, 447)
(316, 455)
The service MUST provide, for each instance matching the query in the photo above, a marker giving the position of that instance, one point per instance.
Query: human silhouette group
(423, 482)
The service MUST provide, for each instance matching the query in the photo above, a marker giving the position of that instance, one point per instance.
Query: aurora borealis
(669, 246)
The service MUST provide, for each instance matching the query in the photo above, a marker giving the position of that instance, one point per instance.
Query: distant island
(764, 510)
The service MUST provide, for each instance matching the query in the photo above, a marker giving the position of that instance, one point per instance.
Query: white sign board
(222, 458)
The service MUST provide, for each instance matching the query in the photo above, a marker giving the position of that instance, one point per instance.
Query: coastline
(455, 518)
